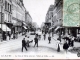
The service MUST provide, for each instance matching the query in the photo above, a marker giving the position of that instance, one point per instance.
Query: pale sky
(38, 9)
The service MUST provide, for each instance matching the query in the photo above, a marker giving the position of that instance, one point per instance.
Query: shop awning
(24, 23)
(25, 27)
(58, 27)
(5, 27)
(51, 28)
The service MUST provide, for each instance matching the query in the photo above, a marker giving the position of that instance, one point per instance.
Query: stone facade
(13, 14)
(49, 15)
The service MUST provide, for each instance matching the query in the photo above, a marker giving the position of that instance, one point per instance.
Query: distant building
(49, 15)
(28, 19)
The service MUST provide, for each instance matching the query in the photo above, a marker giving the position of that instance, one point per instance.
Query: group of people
(5, 35)
(69, 42)
(25, 43)
(49, 37)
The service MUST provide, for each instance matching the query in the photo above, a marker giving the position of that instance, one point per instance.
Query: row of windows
(7, 6)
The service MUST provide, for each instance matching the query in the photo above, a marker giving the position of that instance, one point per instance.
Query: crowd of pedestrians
(69, 41)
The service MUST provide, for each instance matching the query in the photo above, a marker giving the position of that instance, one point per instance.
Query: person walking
(13, 35)
(36, 41)
(65, 46)
(42, 31)
(49, 38)
(24, 44)
(72, 41)
(17, 34)
(44, 36)
(9, 36)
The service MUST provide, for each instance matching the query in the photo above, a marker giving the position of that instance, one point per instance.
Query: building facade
(58, 21)
(49, 19)
(49, 15)
(12, 16)
(5, 17)
(28, 19)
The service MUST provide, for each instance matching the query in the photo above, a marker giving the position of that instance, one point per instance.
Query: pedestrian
(9, 36)
(27, 43)
(24, 44)
(58, 49)
(17, 34)
(14, 36)
(36, 41)
(49, 38)
(65, 46)
(44, 36)
(72, 41)
(69, 42)
(42, 31)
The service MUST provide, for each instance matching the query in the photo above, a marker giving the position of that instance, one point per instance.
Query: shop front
(4, 31)
(10, 25)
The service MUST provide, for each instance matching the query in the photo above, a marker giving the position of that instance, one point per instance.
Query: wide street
(14, 46)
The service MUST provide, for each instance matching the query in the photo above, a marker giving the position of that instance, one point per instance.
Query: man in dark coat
(24, 44)
(65, 46)
(9, 35)
(36, 41)
(44, 36)
(49, 38)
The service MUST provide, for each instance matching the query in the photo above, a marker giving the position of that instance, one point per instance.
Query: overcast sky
(38, 9)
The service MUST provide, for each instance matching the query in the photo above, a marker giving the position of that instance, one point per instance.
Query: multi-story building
(5, 17)
(49, 15)
(12, 16)
(18, 15)
(58, 16)
(58, 20)
(28, 19)
(49, 18)
(55, 15)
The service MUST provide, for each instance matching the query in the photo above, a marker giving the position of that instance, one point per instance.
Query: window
(8, 6)
(5, 5)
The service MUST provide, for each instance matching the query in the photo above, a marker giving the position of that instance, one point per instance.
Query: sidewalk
(5, 41)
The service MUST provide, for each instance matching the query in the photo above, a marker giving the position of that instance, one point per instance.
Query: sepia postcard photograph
(39, 29)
